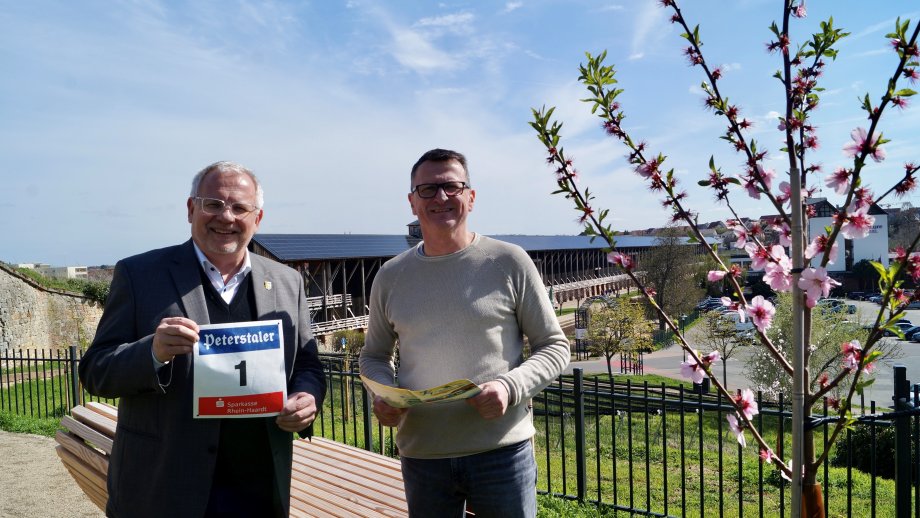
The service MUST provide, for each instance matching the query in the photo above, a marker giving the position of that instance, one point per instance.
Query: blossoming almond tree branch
(802, 100)
(866, 143)
(853, 221)
(597, 78)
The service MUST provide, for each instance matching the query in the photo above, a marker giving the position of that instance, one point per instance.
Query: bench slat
(88, 434)
(389, 491)
(85, 477)
(351, 486)
(103, 409)
(94, 420)
(89, 455)
(328, 479)
(320, 503)
(350, 460)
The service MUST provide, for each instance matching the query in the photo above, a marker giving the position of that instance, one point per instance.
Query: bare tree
(720, 334)
(616, 328)
(670, 268)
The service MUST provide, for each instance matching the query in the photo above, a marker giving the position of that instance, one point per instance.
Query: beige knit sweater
(463, 315)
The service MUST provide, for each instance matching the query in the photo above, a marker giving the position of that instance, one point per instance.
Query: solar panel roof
(303, 247)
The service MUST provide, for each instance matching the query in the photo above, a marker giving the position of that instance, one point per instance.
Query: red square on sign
(241, 405)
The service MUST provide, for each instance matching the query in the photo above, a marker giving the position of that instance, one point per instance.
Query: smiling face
(223, 238)
(443, 217)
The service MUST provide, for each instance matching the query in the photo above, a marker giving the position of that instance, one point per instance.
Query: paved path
(666, 362)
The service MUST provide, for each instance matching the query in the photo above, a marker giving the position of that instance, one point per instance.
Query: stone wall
(32, 316)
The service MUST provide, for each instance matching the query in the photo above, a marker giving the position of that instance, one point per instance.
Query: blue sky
(108, 108)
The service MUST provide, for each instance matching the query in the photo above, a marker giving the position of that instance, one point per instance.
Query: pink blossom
(761, 312)
(860, 145)
(712, 357)
(778, 276)
(695, 371)
(648, 168)
(818, 245)
(800, 11)
(862, 198)
(788, 466)
(759, 256)
(858, 223)
(815, 283)
(741, 234)
(737, 429)
(785, 234)
(715, 275)
(753, 189)
(839, 181)
(852, 355)
(621, 259)
(785, 192)
(767, 175)
(766, 455)
(746, 404)
(778, 273)
(733, 306)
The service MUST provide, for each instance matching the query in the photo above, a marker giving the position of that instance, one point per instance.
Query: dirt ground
(35, 483)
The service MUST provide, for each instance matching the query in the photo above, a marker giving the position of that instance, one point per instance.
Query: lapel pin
(268, 285)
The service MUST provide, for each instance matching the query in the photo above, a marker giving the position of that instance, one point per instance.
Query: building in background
(874, 247)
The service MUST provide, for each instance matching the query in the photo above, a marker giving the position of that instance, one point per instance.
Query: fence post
(580, 470)
(902, 457)
(368, 412)
(74, 378)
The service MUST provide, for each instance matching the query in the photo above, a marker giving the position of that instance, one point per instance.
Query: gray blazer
(163, 460)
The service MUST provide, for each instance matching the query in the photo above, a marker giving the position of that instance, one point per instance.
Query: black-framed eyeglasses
(430, 190)
(216, 207)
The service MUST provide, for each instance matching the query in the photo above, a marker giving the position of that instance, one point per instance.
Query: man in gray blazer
(164, 462)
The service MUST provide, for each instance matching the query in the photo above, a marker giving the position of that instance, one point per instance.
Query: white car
(740, 326)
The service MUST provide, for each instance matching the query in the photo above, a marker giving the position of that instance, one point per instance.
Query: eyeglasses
(430, 190)
(215, 207)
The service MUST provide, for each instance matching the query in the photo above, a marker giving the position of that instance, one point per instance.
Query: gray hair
(440, 155)
(224, 167)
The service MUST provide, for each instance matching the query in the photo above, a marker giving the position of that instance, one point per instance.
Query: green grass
(15, 423)
(33, 368)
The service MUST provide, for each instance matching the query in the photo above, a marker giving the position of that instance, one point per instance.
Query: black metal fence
(637, 448)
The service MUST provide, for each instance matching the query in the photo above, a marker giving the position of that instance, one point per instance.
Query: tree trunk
(812, 501)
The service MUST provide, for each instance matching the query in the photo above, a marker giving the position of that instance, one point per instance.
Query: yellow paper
(404, 398)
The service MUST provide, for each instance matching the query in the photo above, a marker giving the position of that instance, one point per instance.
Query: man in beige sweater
(460, 304)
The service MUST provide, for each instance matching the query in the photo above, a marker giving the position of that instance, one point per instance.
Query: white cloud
(512, 6)
(414, 51)
(459, 22)
(648, 21)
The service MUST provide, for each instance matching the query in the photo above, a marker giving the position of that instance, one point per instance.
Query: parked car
(913, 305)
(856, 295)
(837, 305)
(903, 326)
(708, 301)
(740, 327)
(910, 332)
(711, 306)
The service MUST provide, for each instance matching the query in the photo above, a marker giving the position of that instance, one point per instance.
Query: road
(666, 362)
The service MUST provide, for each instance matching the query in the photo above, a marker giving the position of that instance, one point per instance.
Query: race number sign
(239, 370)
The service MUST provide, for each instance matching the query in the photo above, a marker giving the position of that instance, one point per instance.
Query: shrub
(859, 445)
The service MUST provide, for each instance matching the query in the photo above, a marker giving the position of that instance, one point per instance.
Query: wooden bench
(328, 479)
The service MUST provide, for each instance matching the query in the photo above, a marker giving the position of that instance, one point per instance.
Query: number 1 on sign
(242, 368)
